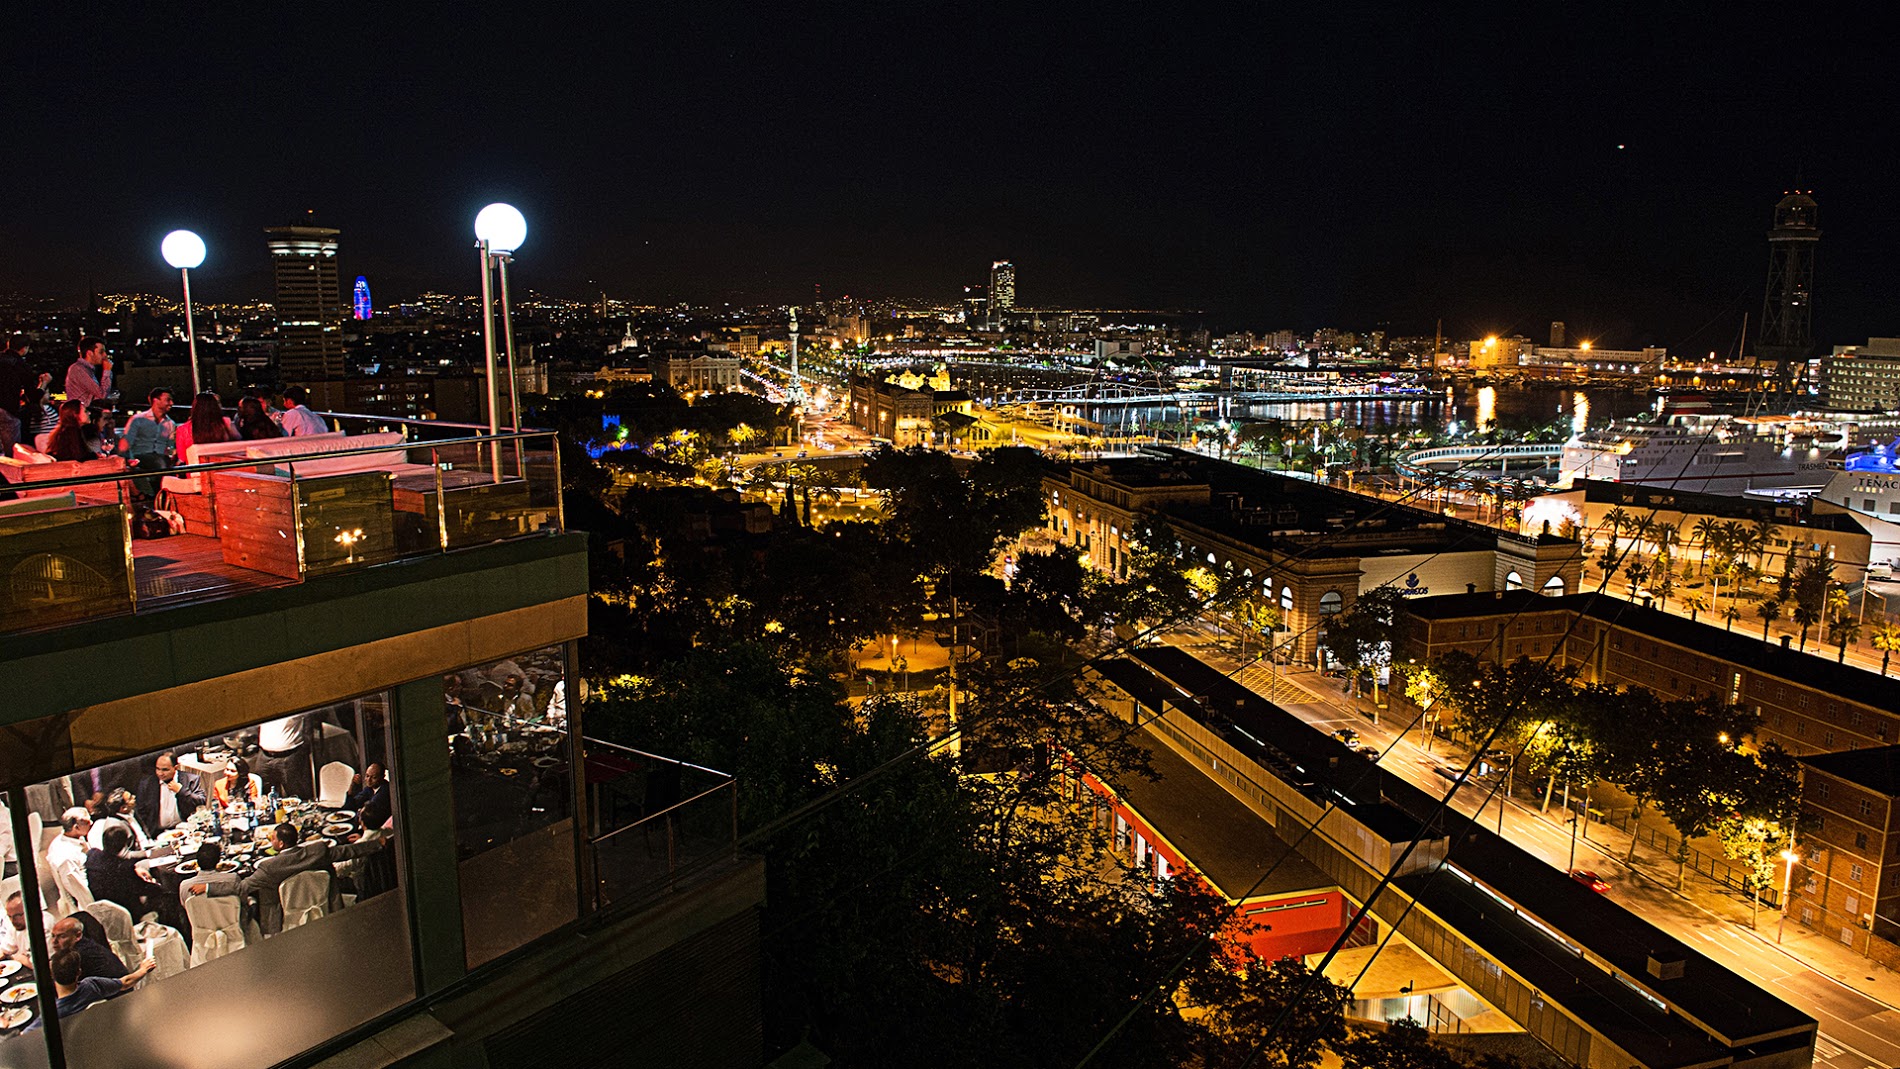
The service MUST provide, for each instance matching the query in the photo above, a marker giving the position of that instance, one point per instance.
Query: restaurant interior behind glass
(242, 892)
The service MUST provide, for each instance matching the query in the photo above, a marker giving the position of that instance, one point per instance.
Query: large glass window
(247, 884)
(514, 814)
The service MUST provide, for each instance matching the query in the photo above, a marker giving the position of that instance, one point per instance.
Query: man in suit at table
(165, 800)
(292, 858)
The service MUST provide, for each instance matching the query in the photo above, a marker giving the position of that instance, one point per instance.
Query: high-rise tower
(309, 316)
(1002, 288)
(1787, 314)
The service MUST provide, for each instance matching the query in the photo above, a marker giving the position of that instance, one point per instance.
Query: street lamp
(1787, 890)
(185, 250)
(499, 231)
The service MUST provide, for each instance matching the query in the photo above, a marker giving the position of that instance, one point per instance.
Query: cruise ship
(1688, 445)
(1868, 487)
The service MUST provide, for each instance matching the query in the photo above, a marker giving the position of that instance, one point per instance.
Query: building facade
(1002, 291)
(491, 910)
(309, 306)
(1846, 884)
(1808, 704)
(1301, 542)
(1863, 378)
(696, 371)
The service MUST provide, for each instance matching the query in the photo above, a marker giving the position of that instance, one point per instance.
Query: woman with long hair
(254, 422)
(206, 425)
(69, 437)
(237, 785)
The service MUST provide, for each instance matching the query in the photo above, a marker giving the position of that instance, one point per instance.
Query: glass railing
(651, 818)
(78, 543)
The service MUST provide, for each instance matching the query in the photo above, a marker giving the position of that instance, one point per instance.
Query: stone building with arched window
(1312, 549)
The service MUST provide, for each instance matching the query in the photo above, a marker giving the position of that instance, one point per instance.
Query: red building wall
(1274, 926)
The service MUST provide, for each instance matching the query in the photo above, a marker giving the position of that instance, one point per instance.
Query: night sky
(1612, 167)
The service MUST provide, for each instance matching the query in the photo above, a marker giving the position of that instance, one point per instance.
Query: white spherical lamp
(183, 249)
(502, 227)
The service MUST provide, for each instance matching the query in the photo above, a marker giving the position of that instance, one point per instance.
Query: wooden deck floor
(187, 568)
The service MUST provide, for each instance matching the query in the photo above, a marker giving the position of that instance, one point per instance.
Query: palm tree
(1614, 520)
(1698, 603)
(1762, 536)
(1769, 611)
(1846, 630)
(1732, 614)
(1666, 535)
(1644, 528)
(1886, 639)
(1805, 614)
(1704, 530)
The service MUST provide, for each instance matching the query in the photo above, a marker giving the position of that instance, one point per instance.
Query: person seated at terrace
(254, 421)
(69, 437)
(205, 425)
(102, 433)
(237, 784)
(298, 420)
(114, 878)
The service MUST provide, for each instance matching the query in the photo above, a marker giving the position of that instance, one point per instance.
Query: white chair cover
(120, 934)
(306, 897)
(74, 896)
(215, 929)
(333, 784)
(165, 946)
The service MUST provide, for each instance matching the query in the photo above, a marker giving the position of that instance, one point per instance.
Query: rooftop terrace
(260, 514)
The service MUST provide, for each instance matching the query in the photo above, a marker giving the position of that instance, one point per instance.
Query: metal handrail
(252, 463)
(588, 740)
(715, 789)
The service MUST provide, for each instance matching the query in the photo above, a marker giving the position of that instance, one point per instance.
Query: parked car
(1590, 879)
(1370, 753)
(1347, 736)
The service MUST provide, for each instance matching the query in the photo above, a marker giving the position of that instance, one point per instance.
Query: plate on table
(15, 1016)
(188, 868)
(19, 993)
(338, 829)
(343, 814)
(9, 967)
(546, 762)
(227, 865)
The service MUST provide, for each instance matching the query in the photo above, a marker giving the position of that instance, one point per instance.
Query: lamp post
(185, 250)
(1787, 890)
(499, 231)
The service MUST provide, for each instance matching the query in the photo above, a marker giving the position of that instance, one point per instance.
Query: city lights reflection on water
(1459, 408)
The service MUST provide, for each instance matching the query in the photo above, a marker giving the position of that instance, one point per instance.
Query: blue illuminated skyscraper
(360, 301)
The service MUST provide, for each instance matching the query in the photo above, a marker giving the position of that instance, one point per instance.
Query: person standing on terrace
(16, 382)
(89, 379)
(299, 420)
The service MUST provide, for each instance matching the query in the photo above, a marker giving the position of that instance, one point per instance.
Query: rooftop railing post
(502, 261)
(441, 514)
(36, 928)
(488, 349)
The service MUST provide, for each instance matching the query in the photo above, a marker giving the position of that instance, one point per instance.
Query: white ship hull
(1709, 468)
(1872, 496)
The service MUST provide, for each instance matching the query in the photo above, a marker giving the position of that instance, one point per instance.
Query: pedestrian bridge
(1479, 460)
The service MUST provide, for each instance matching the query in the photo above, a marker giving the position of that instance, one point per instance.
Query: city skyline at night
(1614, 172)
